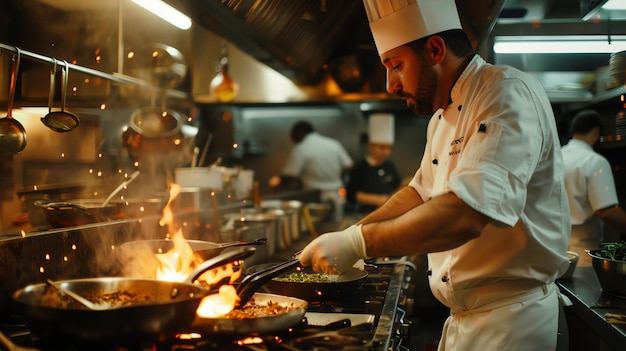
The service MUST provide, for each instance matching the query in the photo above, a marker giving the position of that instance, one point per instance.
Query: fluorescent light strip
(558, 47)
(166, 12)
(615, 5)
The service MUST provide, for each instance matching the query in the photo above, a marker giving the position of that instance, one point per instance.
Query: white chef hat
(398, 22)
(380, 128)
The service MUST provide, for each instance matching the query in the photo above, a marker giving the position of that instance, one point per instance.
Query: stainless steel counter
(588, 328)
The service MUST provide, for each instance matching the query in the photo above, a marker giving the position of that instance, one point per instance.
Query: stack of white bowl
(617, 69)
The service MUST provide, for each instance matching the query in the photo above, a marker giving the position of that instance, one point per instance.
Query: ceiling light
(556, 45)
(615, 5)
(166, 12)
(603, 9)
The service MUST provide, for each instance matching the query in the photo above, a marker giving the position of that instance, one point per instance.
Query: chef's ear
(435, 49)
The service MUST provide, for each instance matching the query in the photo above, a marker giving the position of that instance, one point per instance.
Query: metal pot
(339, 288)
(271, 225)
(76, 212)
(161, 308)
(293, 213)
(153, 131)
(611, 274)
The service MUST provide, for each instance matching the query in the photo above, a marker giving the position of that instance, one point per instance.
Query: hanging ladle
(12, 132)
(60, 121)
(120, 187)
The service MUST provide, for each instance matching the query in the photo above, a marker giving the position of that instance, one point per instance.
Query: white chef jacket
(590, 187)
(319, 161)
(496, 147)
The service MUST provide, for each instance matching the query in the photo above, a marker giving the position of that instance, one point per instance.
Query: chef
(375, 177)
(488, 202)
(590, 187)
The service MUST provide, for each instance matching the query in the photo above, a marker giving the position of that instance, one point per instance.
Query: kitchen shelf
(609, 94)
(114, 77)
(585, 97)
(606, 145)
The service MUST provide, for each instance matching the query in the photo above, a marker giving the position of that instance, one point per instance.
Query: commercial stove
(372, 317)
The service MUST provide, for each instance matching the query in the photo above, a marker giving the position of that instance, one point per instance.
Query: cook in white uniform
(488, 202)
(590, 187)
(319, 162)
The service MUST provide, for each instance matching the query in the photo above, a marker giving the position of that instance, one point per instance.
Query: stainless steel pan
(256, 325)
(206, 249)
(160, 309)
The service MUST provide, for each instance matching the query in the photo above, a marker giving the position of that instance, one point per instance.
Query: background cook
(315, 162)
(488, 202)
(375, 177)
(590, 187)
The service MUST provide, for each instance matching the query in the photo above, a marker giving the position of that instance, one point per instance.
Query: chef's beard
(423, 99)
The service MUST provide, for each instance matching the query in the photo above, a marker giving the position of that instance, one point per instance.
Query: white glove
(335, 252)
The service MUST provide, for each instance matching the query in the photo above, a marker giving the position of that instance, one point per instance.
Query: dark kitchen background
(290, 59)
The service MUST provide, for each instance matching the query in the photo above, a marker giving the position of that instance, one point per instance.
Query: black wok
(160, 309)
(339, 288)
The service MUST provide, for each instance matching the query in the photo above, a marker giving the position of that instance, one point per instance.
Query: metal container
(271, 225)
(611, 274)
(293, 211)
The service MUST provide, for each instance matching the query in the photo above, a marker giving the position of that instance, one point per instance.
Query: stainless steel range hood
(299, 38)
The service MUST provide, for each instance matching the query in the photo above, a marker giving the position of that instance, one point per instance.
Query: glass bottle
(223, 87)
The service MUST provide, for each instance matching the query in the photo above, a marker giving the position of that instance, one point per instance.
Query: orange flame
(218, 304)
(179, 262)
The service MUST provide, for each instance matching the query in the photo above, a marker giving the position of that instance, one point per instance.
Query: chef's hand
(335, 252)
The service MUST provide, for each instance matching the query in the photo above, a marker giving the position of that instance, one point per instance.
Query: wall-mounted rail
(115, 77)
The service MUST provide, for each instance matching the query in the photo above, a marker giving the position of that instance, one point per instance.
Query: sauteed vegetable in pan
(308, 285)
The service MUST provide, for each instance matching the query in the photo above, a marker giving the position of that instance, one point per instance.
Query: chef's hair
(584, 121)
(300, 130)
(456, 41)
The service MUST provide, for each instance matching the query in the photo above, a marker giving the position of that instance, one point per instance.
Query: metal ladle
(12, 132)
(60, 121)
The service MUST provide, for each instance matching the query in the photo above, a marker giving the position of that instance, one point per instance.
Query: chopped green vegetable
(613, 251)
(301, 277)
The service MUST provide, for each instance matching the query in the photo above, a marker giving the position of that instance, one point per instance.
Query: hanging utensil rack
(114, 77)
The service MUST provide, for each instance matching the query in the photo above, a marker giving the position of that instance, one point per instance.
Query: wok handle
(251, 283)
(7, 343)
(259, 241)
(223, 258)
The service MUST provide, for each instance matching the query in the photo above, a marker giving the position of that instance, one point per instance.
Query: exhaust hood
(300, 38)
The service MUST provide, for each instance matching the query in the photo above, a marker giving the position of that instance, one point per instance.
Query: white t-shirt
(318, 161)
(496, 147)
(588, 181)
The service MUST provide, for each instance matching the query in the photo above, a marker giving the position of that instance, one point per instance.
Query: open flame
(179, 262)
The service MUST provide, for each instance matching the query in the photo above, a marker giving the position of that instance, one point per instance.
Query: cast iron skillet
(339, 288)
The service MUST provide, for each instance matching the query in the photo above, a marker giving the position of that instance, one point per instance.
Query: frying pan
(76, 212)
(206, 249)
(246, 290)
(256, 325)
(163, 308)
(313, 291)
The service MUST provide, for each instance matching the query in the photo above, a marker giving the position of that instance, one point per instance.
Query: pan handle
(259, 241)
(252, 282)
(223, 258)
